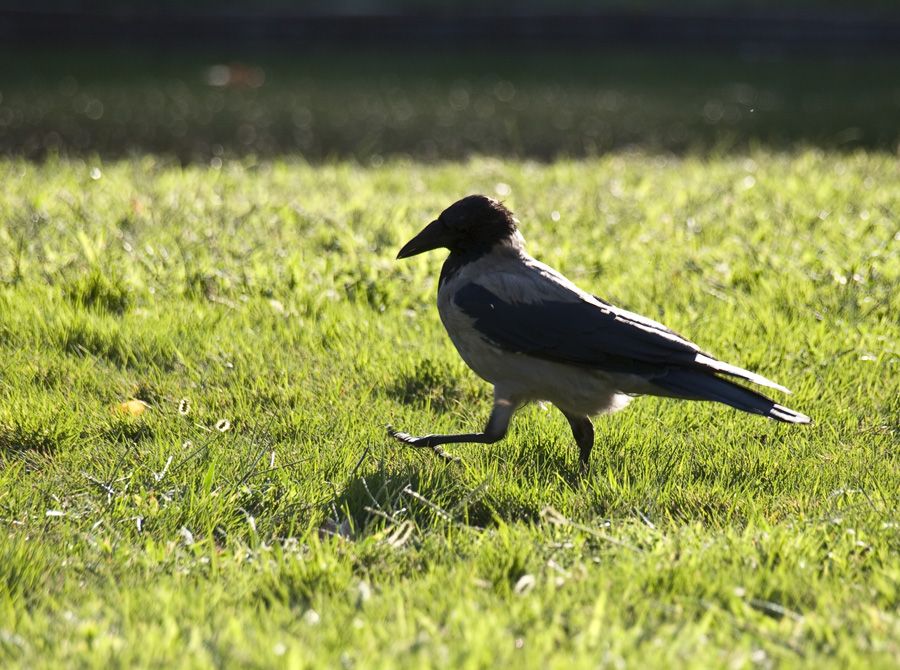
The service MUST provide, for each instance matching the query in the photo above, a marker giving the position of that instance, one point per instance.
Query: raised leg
(583, 430)
(495, 430)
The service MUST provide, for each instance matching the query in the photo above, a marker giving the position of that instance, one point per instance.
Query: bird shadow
(479, 490)
(431, 383)
(425, 496)
(538, 461)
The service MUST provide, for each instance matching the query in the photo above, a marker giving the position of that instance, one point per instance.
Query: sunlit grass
(268, 519)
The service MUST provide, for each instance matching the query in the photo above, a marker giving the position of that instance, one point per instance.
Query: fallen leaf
(133, 407)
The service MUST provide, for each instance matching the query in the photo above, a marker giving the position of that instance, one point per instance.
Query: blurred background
(437, 80)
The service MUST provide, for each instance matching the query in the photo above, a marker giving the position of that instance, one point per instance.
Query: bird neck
(459, 258)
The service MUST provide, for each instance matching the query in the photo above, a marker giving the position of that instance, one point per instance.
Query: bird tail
(695, 385)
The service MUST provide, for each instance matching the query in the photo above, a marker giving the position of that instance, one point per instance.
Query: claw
(449, 458)
(421, 443)
(406, 438)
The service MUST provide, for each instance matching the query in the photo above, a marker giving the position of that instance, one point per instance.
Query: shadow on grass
(430, 383)
(434, 493)
(29, 437)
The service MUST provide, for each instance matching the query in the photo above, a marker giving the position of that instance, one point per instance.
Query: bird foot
(422, 443)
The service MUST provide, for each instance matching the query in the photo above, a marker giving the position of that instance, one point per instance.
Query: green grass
(266, 295)
(371, 105)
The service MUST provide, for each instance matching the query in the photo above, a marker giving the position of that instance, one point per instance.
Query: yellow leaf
(133, 407)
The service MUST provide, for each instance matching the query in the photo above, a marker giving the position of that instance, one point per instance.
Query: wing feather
(542, 314)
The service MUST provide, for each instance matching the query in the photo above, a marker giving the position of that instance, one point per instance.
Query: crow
(534, 335)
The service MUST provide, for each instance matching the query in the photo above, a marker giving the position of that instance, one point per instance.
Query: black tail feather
(695, 385)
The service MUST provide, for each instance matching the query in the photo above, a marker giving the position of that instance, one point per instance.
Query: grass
(371, 105)
(250, 511)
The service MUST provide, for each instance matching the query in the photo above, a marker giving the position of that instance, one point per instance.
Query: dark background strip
(795, 31)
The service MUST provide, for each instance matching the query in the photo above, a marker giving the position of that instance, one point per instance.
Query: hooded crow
(534, 335)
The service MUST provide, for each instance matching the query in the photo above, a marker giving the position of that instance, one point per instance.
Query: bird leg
(583, 430)
(495, 430)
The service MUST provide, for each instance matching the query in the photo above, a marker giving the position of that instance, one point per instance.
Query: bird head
(474, 223)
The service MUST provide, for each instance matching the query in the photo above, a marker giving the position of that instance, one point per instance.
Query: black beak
(431, 237)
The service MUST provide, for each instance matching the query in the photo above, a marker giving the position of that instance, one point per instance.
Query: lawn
(250, 510)
(371, 105)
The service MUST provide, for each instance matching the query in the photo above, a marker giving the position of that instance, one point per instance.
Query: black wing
(566, 326)
(576, 332)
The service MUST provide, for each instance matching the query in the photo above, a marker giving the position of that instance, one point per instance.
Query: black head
(474, 223)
